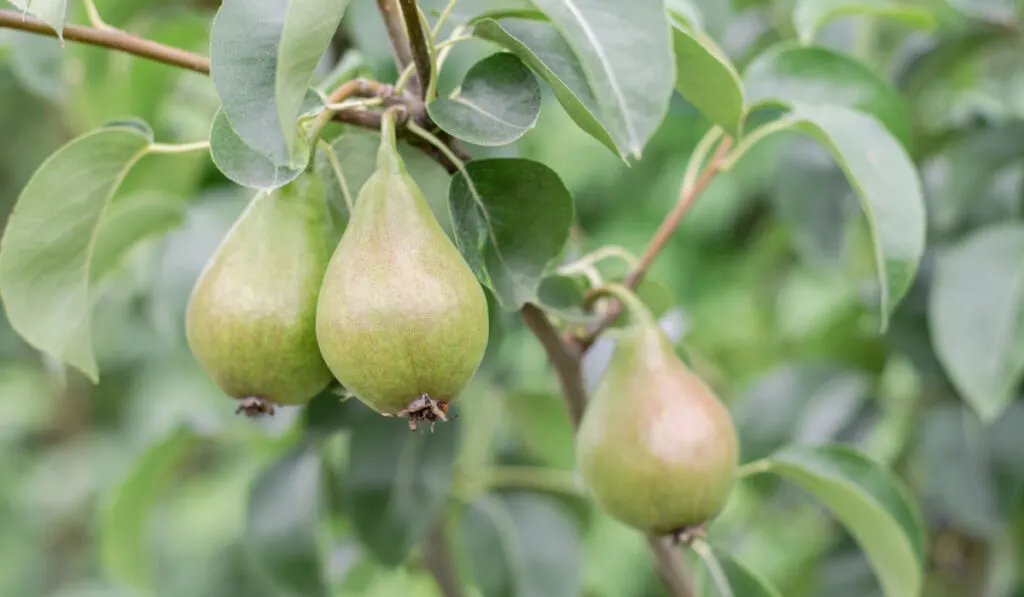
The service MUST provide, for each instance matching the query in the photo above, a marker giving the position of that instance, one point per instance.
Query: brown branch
(657, 242)
(392, 15)
(113, 39)
(417, 42)
(565, 358)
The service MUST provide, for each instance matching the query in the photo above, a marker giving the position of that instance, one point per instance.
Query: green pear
(251, 319)
(402, 321)
(656, 447)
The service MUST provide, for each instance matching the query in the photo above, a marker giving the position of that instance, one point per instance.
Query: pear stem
(638, 312)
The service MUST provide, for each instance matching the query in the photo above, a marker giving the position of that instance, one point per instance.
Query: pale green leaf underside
(975, 315)
(46, 251)
(242, 164)
(51, 12)
(130, 220)
(707, 79)
(871, 504)
(810, 16)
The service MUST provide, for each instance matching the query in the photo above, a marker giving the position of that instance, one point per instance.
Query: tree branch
(657, 242)
(392, 15)
(564, 356)
(418, 42)
(113, 39)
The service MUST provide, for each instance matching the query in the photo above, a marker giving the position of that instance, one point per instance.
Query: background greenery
(148, 479)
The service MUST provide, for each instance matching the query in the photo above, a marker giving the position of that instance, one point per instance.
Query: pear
(251, 318)
(656, 448)
(402, 321)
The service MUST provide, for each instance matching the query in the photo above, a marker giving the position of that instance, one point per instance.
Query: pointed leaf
(51, 12)
(810, 16)
(522, 545)
(976, 315)
(47, 248)
(870, 502)
(129, 221)
(787, 73)
(242, 164)
(397, 481)
(510, 224)
(498, 102)
(123, 547)
(262, 57)
(632, 94)
(283, 522)
(706, 77)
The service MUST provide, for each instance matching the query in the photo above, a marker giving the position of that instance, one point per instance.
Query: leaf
(283, 521)
(242, 164)
(743, 581)
(262, 57)
(884, 177)
(975, 314)
(706, 77)
(36, 62)
(787, 73)
(687, 11)
(809, 16)
(541, 47)
(872, 505)
(123, 547)
(499, 101)
(396, 483)
(47, 248)
(542, 424)
(999, 11)
(514, 228)
(128, 221)
(51, 12)
(632, 95)
(522, 545)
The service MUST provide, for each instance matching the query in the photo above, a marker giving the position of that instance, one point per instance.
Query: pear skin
(402, 321)
(656, 447)
(251, 319)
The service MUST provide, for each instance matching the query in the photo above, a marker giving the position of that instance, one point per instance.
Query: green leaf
(397, 481)
(123, 547)
(262, 57)
(242, 164)
(542, 48)
(999, 11)
(870, 502)
(130, 220)
(51, 12)
(632, 95)
(283, 521)
(47, 248)
(522, 545)
(36, 62)
(809, 16)
(499, 101)
(787, 73)
(541, 422)
(706, 77)
(687, 11)
(884, 177)
(743, 581)
(513, 225)
(976, 316)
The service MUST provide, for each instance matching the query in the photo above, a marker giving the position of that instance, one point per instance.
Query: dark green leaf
(976, 315)
(243, 164)
(262, 57)
(499, 101)
(706, 77)
(522, 545)
(47, 248)
(810, 16)
(743, 582)
(563, 297)
(787, 73)
(123, 547)
(51, 12)
(397, 481)
(632, 95)
(130, 220)
(282, 523)
(870, 502)
(510, 224)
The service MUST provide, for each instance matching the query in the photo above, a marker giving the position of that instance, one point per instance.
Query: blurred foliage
(769, 269)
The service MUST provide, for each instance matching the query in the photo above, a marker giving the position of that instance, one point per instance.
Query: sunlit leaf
(976, 316)
(872, 505)
(129, 221)
(47, 248)
(809, 16)
(498, 102)
(515, 227)
(706, 77)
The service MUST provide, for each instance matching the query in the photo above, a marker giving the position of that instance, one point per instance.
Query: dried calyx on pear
(402, 321)
(251, 319)
(656, 448)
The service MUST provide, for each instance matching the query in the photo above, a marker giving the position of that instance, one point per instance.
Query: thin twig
(417, 42)
(113, 39)
(664, 232)
(392, 15)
